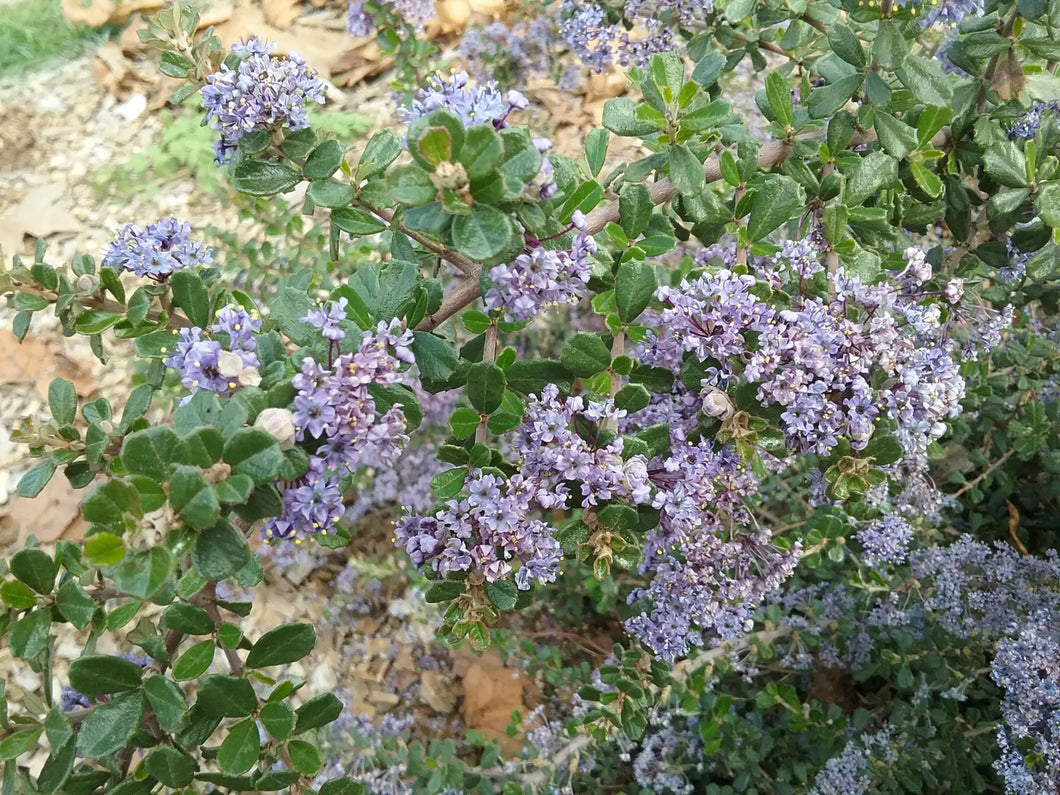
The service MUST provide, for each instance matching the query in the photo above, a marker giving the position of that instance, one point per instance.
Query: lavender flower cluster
(708, 574)
(885, 540)
(261, 93)
(335, 405)
(817, 359)
(157, 250)
(480, 103)
(223, 362)
(599, 44)
(361, 21)
(541, 278)
(1027, 667)
(1031, 121)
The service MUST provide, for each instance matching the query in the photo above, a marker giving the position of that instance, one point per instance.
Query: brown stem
(983, 475)
(618, 348)
(207, 600)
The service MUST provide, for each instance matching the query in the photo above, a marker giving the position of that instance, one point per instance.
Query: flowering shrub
(779, 369)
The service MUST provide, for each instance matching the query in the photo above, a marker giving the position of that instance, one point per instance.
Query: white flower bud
(85, 282)
(229, 364)
(717, 404)
(250, 377)
(954, 291)
(279, 424)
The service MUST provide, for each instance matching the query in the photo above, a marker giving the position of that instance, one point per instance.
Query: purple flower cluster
(261, 93)
(361, 22)
(486, 531)
(224, 361)
(708, 576)
(473, 104)
(525, 47)
(336, 405)
(552, 453)
(1027, 668)
(1029, 123)
(599, 44)
(885, 540)
(946, 13)
(157, 250)
(541, 278)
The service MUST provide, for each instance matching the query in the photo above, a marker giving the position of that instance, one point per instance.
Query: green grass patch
(34, 33)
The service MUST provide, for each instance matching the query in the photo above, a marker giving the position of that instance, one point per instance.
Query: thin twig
(984, 474)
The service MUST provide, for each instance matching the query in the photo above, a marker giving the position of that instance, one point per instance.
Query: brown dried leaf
(41, 212)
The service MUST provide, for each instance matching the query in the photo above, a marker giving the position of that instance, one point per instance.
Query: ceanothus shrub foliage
(781, 365)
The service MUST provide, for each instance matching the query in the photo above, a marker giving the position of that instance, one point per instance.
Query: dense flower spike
(542, 278)
(710, 570)
(885, 540)
(157, 250)
(336, 406)
(262, 93)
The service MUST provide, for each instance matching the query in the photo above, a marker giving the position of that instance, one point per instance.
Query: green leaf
(193, 498)
(325, 193)
(686, 171)
(485, 386)
(104, 549)
(219, 552)
(74, 604)
(445, 591)
(355, 221)
(101, 674)
(585, 354)
(95, 321)
(189, 619)
(435, 358)
(19, 742)
(253, 452)
(151, 451)
(483, 232)
(194, 662)
(1005, 162)
(897, 138)
(635, 209)
(278, 720)
(635, 284)
(323, 161)
(869, 176)
(239, 750)
(62, 400)
(409, 184)
(825, 101)
(35, 568)
(190, 294)
(282, 645)
(316, 712)
(171, 767)
(927, 179)
(890, 47)
(596, 149)
(463, 422)
(381, 150)
(620, 117)
(143, 575)
(846, 45)
(502, 594)
(33, 482)
(226, 696)
(778, 94)
(304, 756)
(777, 200)
(884, 450)
(166, 700)
(481, 152)
(259, 178)
(111, 501)
(446, 485)
(110, 726)
(1048, 205)
(925, 80)
(17, 595)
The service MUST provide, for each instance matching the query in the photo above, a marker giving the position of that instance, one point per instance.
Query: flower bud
(954, 291)
(279, 424)
(229, 364)
(717, 404)
(85, 282)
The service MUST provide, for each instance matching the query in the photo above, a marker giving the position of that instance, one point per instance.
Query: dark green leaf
(189, 619)
(253, 452)
(62, 400)
(226, 696)
(74, 604)
(194, 662)
(282, 645)
(110, 726)
(485, 386)
(17, 595)
(193, 498)
(239, 750)
(152, 451)
(35, 568)
(483, 232)
(686, 171)
(143, 575)
(190, 294)
(166, 700)
(897, 138)
(33, 482)
(278, 720)
(635, 284)
(258, 178)
(171, 767)
(777, 200)
(19, 742)
(325, 193)
(596, 149)
(104, 549)
(778, 93)
(356, 221)
(925, 80)
(101, 674)
(620, 117)
(502, 594)
(323, 161)
(869, 176)
(219, 552)
(304, 756)
(846, 45)
(316, 712)
(825, 101)
(585, 354)
(446, 485)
